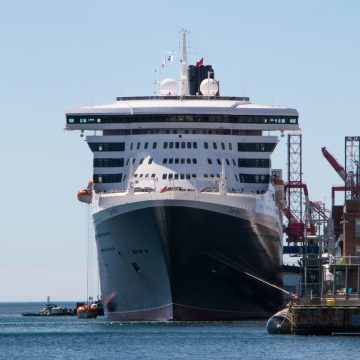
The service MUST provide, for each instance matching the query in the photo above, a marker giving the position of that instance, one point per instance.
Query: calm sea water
(72, 338)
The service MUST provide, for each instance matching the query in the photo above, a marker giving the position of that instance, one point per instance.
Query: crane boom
(334, 163)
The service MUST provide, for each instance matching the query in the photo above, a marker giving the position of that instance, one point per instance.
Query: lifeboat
(86, 312)
(280, 192)
(85, 195)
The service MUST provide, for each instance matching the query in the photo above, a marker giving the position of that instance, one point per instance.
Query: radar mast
(184, 78)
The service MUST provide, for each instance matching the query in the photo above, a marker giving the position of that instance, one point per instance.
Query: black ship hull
(183, 263)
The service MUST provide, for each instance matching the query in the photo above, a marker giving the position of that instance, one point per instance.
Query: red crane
(334, 163)
(345, 175)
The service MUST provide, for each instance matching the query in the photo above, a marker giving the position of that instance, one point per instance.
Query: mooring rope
(257, 277)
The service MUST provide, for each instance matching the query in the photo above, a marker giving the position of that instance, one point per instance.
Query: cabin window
(176, 161)
(189, 145)
(182, 161)
(107, 178)
(138, 146)
(209, 161)
(357, 227)
(214, 145)
(146, 145)
(194, 161)
(222, 146)
(165, 145)
(188, 161)
(136, 267)
(150, 161)
(252, 178)
(206, 145)
(141, 161)
(218, 161)
(165, 161)
(266, 147)
(171, 160)
(164, 176)
(100, 162)
(154, 145)
(114, 146)
(170, 176)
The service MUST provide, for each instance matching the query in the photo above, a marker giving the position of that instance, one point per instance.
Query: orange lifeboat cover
(278, 181)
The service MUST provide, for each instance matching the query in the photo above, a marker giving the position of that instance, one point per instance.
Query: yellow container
(330, 302)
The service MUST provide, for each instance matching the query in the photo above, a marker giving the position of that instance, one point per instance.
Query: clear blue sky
(59, 55)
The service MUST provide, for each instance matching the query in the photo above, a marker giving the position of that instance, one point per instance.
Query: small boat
(51, 309)
(86, 311)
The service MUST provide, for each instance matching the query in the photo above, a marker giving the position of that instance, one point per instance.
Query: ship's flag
(168, 57)
(200, 62)
(163, 62)
(164, 189)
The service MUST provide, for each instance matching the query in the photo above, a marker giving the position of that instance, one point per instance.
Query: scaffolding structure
(294, 190)
(352, 167)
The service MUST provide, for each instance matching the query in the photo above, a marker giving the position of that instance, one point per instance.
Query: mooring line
(247, 273)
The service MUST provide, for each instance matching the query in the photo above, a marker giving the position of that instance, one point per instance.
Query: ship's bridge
(183, 111)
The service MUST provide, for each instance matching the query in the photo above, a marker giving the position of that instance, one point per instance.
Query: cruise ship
(186, 208)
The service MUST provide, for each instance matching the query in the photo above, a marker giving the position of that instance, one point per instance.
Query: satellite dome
(209, 87)
(168, 87)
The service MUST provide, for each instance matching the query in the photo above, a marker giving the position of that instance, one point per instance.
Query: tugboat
(51, 310)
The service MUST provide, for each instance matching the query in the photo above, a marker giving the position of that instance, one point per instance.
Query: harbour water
(71, 338)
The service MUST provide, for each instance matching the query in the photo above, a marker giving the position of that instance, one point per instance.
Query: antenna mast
(184, 79)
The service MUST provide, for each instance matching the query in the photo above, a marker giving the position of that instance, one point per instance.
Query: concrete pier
(324, 320)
